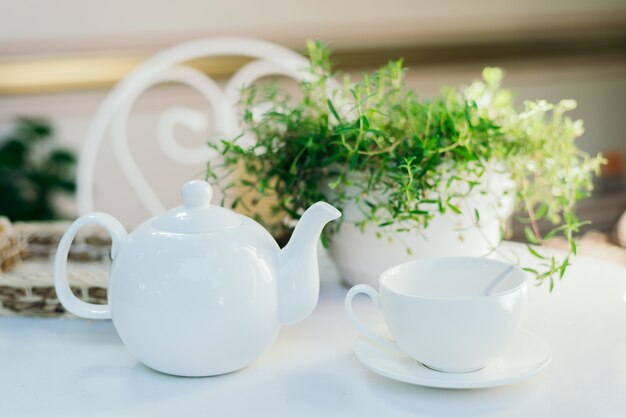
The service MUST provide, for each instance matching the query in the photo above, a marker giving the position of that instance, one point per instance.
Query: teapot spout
(298, 274)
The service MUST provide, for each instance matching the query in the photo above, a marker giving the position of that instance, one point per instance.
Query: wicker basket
(11, 246)
(26, 277)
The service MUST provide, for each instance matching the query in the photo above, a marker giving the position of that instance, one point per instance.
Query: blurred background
(59, 59)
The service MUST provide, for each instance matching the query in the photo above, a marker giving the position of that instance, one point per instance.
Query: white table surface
(79, 368)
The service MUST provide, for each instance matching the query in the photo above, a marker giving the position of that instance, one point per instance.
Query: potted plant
(414, 177)
(33, 172)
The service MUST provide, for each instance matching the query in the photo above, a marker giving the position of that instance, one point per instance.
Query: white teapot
(201, 290)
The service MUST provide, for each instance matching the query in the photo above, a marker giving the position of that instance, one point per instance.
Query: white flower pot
(361, 256)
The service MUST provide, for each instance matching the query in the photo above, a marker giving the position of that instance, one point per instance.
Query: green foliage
(402, 159)
(31, 171)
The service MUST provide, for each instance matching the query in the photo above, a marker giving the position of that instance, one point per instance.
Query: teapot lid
(197, 215)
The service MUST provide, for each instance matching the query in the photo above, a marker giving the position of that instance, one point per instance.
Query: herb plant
(402, 159)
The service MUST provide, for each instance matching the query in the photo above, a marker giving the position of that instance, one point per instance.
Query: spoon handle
(497, 280)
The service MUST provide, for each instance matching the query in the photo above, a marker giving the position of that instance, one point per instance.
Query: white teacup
(438, 313)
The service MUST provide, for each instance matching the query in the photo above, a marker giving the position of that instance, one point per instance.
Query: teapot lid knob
(197, 215)
(197, 193)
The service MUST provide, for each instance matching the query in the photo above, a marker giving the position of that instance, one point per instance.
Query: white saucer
(528, 356)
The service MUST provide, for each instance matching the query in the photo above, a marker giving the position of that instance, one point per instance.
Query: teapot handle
(61, 284)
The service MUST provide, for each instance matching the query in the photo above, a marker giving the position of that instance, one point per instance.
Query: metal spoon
(497, 280)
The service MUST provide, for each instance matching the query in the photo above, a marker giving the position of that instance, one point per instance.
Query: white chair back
(169, 66)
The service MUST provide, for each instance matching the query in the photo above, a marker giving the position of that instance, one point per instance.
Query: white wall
(39, 26)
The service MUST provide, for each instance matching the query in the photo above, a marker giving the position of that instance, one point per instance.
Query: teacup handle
(365, 330)
(61, 284)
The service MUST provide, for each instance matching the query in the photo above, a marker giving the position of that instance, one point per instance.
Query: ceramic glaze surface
(201, 290)
(206, 316)
(454, 335)
(437, 313)
(526, 357)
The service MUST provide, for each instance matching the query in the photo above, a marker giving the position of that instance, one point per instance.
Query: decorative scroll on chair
(169, 66)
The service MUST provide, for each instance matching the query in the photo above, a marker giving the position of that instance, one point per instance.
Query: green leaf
(570, 218)
(535, 253)
(541, 211)
(371, 205)
(563, 268)
(332, 110)
(572, 246)
(551, 233)
(365, 121)
(454, 209)
(530, 235)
